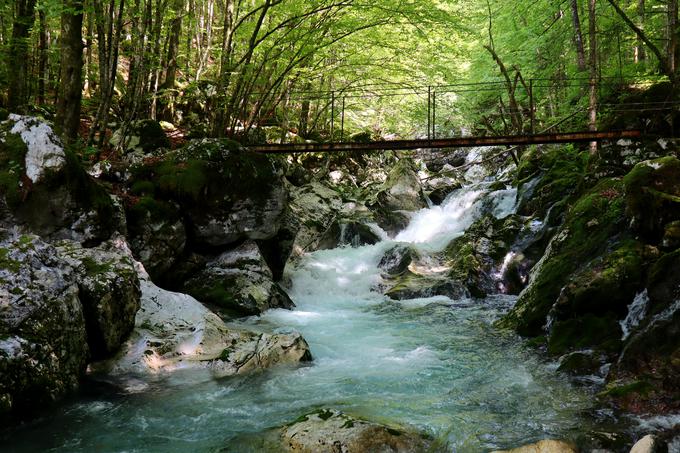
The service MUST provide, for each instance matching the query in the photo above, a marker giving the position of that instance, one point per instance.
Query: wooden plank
(458, 142)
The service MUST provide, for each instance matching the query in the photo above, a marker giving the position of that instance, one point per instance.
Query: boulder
(44, 188)
(401, 193)
(239, 282)
(175, 331)
(544, 446)
(226, 193)
(648, 444)
(397, 259)
(347, 232)
(313, 209)
(412, 285)
(43, 341)
(653, 196)
(140, 137)
(329, 431)
(109, 292)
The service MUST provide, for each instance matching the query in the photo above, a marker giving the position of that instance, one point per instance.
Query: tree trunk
(592, 35)
(70, 92)
(578, 36)
(672, 36)
(173, 45)
(640, 52)
(42, 58)
(18, 53)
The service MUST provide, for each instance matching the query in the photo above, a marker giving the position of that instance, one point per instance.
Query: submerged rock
(544, 446)
(109, 292)
(239, 281)
(329, 431)
(43, 341)
(175, 331)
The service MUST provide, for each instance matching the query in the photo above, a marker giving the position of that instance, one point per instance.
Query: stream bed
(435, 364)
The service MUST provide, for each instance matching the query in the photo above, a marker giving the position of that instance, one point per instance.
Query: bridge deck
(458, 142)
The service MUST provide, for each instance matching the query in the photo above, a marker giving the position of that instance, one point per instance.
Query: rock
(347, 232)
(43, 347)
(157, 234)
(141, 136)
(671, 236)
(175, 331)
(653, 196)
(647, 444)
(45, 190)
(239, 282)
(396, 260)
(45, 152)
(410, 285)
(580, 362)
(329, 431)
(313, 209)
(401, 193)
(544, 446)
(572, 248)
(109, 292)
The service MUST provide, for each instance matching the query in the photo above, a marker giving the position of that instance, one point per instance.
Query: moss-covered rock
(653, 196)
(595, 218)
(238, 282)
(330, 431)
(109, 292)
(412, 285)
(43, 347)
(143, 136)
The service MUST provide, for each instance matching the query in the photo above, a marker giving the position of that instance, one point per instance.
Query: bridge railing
(493, 108)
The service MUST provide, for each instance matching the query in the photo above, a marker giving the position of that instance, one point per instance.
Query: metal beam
(458, 142)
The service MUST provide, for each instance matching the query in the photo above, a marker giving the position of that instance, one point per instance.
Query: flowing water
(435, 364)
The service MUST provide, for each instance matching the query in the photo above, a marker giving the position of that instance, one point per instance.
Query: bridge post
(429, 111)
(332, 114)
(342, 121)
(532, 106)
(434, 114)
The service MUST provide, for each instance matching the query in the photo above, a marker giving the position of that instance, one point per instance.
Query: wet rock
(347, 232)
(653, 196)
(314, 208)
(581, 362)
(544, 446)
(240, 282)
(43, 345)
(397, 259)
(401, 193)
(648, 444)
(174, 331)
(596, 218)
(109, 292)
(45, 190)
(329, 431)
(410, 285)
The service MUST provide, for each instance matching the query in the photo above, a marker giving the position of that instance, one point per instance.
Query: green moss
(224, 355)
(637, 387)
(588, 330)
(152, 136)
(325, 414)
(8, 263)
(143, 188)
(93, 268)
(12, 167)
(348, 424)
(393, 432)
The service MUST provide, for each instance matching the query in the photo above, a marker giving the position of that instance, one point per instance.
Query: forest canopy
(325, 69)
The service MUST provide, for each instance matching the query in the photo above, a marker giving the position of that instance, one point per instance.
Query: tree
(70, 90)
(18, 53)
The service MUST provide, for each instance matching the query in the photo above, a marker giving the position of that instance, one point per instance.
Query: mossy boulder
(314, 208)
(547, 177)
(239, 282)
(592, 224)
(45, 188)
(653, 196)
(142, 136)
(109, 292)
(43, 346)
(413, 285)
(330, 431)
(227, 193)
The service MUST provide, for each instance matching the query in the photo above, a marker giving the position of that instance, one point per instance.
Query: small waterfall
(636, 313)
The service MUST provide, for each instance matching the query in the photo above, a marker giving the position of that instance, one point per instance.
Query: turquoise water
(435, 364)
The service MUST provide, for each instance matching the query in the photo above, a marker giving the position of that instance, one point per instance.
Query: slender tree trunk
(672, 52)
(18, 53)
(640, 52)
(592, 36)
(173, 44)
(578, 36)
(42, 58)
(70, 92)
